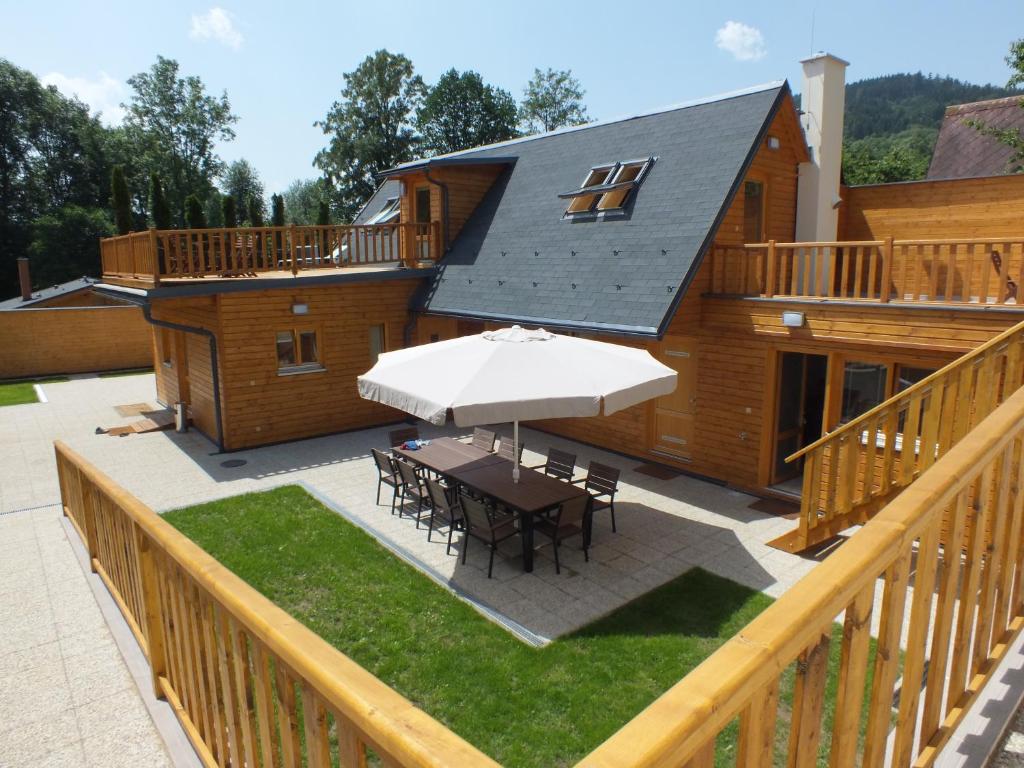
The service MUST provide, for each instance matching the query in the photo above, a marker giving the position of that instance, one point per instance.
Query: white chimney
(822, 101)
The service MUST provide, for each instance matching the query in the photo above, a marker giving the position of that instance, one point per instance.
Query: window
(607, 187)
(864, 387)
(753, 211)
(423, 205)
(376, 342)
(298, 351)
(389, 213)
(166, 347)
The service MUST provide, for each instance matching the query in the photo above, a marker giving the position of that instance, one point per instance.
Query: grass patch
(524, 706)
(129, 372)
(21, 392)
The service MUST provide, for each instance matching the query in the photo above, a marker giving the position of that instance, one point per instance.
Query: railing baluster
(808, 703)
(853, 664)
(757, 729)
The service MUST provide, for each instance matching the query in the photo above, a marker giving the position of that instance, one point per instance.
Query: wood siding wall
(963, 208)
(38, 342)
(467, 186)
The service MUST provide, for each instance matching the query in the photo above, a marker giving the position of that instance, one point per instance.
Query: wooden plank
(243, 692)
(314, 721)
(757, 729)
(263, 690)
(808, 702)
(853, 664)
(287, 716)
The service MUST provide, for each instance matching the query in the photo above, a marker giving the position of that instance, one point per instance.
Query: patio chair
(505, 449)
(569, 520)
(482, 523)
(603, 483)
(397, 437)
(387, 474)
(483, 439)
(559, 464)
(412, 488)
(441, 505)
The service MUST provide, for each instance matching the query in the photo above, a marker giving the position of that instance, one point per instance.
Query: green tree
(65, 243)
(462, 111)
(230, 214)
(172, 125)
(552, 99)
(120, 201)
(276, 211)
(242, 182)
(158, 207)
(370, 128)
(1011, 137)
(904, 156)
(302, 201)
(256, 211)
(213, 208)
(323, 215)
(195, 217)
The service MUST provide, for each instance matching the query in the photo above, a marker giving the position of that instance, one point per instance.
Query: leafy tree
(370, 128)
(65, 243)
(904, 156)
(120, 201)
(213, 208)
(302, 201)
(462, 111)
(323, 215)
(159, 210)
(276, 211)
(195, 217)
(242, 182)
(552, 99)
(1012, 137)
(255, 211)
(172, 125)
(230, 214)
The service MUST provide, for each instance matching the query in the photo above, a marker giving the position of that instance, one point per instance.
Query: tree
(159, 210)
(256, 210)
(242, 182)
(213, 208)
(120, 201)
(552, 99)
(1011, 137)
(904, 156)
(370, 128)
(230, 214)
(172, 124)
(323, 215)
(195, 218)
(302, 201)
(65, 243)
(276, 211)
(462, 111)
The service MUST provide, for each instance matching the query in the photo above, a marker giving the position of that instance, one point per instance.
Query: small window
(864, 387)
(166, 347)
(607, 187)
(298, 351)
(753, 212)
(376, 342)
(626, 172)
(286, 349)
(388, 214)
(595, 178)
(308, 353)
(423, 205)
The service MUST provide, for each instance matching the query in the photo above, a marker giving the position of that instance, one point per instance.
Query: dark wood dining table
(491, 476)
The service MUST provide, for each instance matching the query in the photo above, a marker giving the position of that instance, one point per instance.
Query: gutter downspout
(444, 204)
(214, 372)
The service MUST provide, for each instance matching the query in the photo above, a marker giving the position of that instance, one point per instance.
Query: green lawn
(524, 706)
(21, 392)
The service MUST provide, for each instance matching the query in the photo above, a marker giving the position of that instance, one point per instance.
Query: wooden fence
(155, 255)
(976, 271)
(249, 684)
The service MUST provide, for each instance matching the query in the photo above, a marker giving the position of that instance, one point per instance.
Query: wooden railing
(968, 271)
(249, 684)
(965, 608)
(851, 472)
(148, 257)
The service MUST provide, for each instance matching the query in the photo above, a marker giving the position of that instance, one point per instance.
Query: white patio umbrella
(515, 375)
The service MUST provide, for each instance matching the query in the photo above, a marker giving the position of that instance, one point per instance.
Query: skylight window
(607, 187)
(387, 214)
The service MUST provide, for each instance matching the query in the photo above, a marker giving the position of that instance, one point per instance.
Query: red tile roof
(963, 151)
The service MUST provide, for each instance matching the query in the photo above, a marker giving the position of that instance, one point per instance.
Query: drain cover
(233, 463)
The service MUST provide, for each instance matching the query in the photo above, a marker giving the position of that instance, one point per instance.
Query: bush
(65, 244)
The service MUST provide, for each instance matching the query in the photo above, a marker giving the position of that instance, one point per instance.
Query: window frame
(300, 365)
(594, 203)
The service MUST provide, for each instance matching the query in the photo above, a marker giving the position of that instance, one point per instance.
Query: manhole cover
(233, 463)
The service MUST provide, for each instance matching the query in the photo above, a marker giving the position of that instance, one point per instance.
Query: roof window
(607, 187)
(387, 214)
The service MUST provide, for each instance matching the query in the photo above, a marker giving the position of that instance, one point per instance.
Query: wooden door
(674, 413)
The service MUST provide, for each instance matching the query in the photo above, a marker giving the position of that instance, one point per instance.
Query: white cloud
(744, 42)
(103, 94)
(216, 24)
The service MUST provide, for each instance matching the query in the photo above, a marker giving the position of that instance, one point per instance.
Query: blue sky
(281, 63)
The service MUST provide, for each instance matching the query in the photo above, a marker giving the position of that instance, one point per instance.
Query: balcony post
(885, 293)
(155, 255)
(769, 288)
(291, 247)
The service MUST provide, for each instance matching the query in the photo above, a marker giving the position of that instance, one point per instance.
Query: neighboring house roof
(389, 190)
(53, 292)
(518, 259)
(962, 151)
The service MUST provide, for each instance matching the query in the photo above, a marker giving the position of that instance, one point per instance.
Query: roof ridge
(971, 106)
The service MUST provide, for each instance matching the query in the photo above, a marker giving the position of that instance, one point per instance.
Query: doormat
(658, 471)
(134, 409)
(777, 507)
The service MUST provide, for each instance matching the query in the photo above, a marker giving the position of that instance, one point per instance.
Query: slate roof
(518, 259)
(962, 151)
(44, 294)
(390, 188)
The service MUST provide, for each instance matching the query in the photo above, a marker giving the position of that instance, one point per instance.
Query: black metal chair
(398, 436)
(602, 482)
(568, 521)
(505, 449)
(559, 464)
(483, 524)
(387, 474)
(443, 506)
(483, 439)
(412, 488)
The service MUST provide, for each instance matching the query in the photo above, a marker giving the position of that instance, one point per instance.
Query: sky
(281, 63)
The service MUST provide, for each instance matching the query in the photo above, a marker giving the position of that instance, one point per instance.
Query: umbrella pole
(515, 451)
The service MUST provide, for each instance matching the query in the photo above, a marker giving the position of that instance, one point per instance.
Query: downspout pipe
(444, 202)
(214, 371)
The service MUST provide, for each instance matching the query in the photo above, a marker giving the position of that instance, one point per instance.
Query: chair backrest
(385, 464)
(408, 473)
(505, 449)
(476, 513)
(399, 436)
(572, 511)
(483, 439)
(437, 495)
(602, 479)
(560, 464)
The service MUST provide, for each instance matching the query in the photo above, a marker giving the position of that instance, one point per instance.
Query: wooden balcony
(959, 272)
(145, 259)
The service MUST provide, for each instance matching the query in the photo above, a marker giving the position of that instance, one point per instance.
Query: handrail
(381, 717)
(741, 678)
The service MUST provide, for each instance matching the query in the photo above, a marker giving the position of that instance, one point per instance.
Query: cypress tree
(121, 201)
(276, 211)
(158, 205)
(194, 216)
(255, 212)
(323, 215)
(230, 215)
